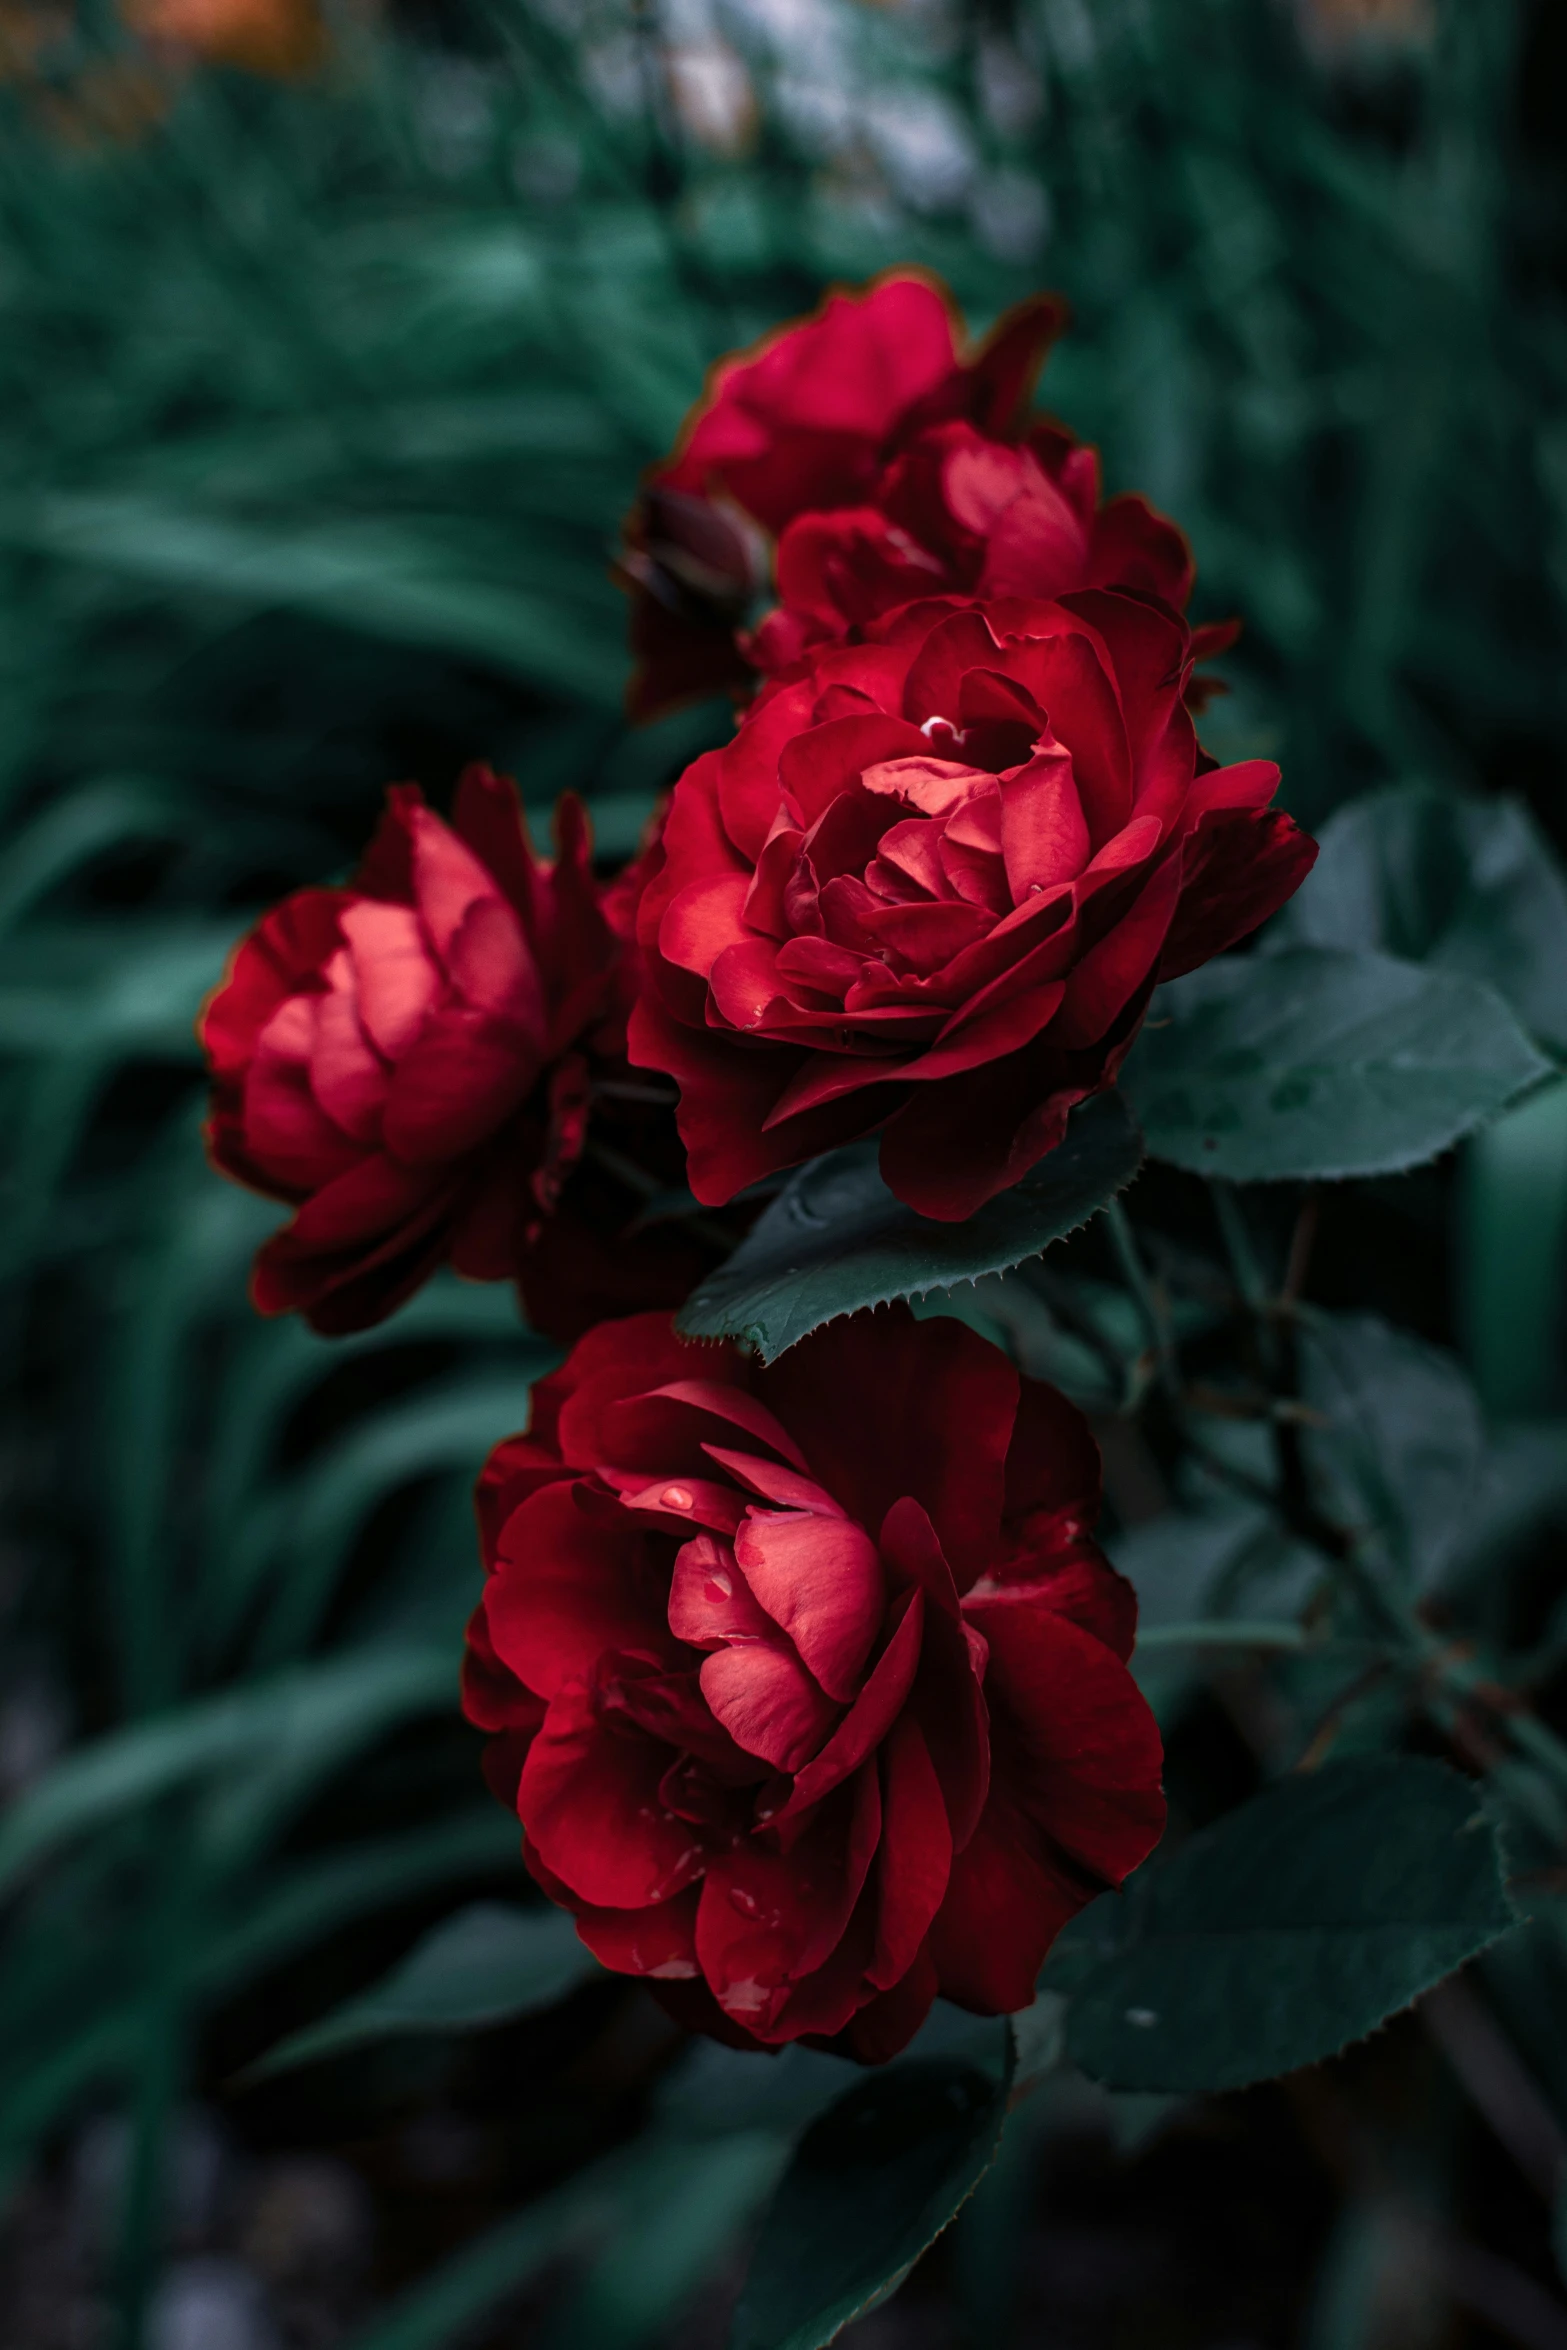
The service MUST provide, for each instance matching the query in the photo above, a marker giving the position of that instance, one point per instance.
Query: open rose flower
(929, 887)
(809, 1683)
(887, 465)
(411, 1063)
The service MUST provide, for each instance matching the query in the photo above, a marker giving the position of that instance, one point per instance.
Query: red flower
(887, 466)
(809, 1683)
(930, 885)
(410, 1062)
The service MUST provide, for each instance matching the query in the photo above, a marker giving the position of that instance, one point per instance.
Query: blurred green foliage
(319, 407)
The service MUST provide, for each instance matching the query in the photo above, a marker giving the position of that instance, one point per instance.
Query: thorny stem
(1150, 1305)
(1454, 1684)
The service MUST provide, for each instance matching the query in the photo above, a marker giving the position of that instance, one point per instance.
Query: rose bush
(887, 465)
(930, 885)
(809, 1682)
(411, 1062)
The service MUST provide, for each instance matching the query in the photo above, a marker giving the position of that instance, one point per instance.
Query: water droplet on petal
(677, 1497)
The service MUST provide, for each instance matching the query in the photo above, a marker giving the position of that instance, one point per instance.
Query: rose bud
(887, 465)
(930, 885)
(809, 1683)
(411, 1063)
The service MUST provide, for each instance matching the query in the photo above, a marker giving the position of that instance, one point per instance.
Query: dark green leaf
(484, 1966)
(1296, 1924)
(835, 1240)
(1398, 1442)
(1316, 1062)
(873, 2183)
(1469, 885)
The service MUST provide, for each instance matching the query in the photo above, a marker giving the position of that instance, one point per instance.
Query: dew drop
(677, 1497)
(746, 1903)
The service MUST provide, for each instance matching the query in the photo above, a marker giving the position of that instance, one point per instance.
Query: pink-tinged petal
(821, 1579)
(397, 983)
(937, 787)
(869, 1718)
(286, 1132)
(1044, 833)
(886, 1407)
(567, 1589)
(1112, 973)
(785, 1487)
(768, 1702)
(704, 921)
(745, 984)
(491, 969)
(589, 1800)
(288, 948)
(914, 1858)
(678, 1502)
(449, 880)
(710, 1602)
(463, 1075)
(347, 1078)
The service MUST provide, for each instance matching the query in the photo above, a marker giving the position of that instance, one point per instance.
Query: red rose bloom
(410, 1062)
(930, 885)
(887, 465)
(809, 1683)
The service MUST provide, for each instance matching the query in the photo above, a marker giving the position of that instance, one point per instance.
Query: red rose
(809, 1683)
(959, 510)
(930, 885)
(888, 466)
(410, 1061)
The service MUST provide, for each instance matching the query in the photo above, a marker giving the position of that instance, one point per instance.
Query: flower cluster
(879, 464)
(808, 1683)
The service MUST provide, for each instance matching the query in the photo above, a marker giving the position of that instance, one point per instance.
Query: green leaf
(871, 2186)
(1294, 1925)
(341, 1700)
(1317, 1062)
(484, 1966)
(1398, 1441)
(835, 1240)
(1469, 885)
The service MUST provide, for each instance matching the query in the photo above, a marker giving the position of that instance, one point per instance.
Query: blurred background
(333, 340)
